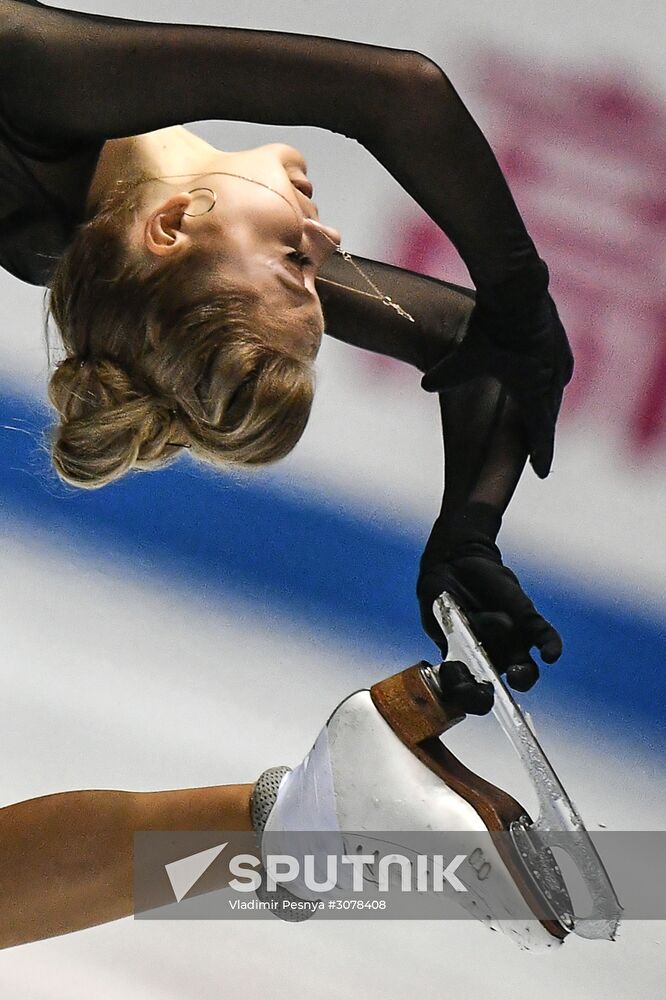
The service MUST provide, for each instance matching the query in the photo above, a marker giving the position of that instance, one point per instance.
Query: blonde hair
(157, 360)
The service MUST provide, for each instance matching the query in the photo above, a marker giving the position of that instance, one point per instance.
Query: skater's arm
(66, 860)
(78, 78)
(75, 79)
(354, 315)
(485, 452)
(485, 448)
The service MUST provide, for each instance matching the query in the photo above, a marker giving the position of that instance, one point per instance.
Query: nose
(288, 155)
(324, 237)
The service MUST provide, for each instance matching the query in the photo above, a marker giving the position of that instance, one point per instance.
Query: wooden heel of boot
(411, 708)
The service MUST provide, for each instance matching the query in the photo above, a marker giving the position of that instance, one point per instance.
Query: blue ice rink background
(188, 628)
(331, 569)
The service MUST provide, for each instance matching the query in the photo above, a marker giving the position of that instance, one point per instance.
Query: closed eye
(300, 259)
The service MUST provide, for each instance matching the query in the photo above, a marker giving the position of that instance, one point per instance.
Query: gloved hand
(515, 334)
(467, 563)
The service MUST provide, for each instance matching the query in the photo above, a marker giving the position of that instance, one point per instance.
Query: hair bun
(109, 423)
(82, 386)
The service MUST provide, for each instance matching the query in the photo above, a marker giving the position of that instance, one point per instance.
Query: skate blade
(410, 705)
(559, 821)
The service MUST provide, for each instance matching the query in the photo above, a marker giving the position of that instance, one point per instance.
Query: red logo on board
(584, 156)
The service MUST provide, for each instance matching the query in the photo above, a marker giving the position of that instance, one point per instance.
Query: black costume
(70, 81)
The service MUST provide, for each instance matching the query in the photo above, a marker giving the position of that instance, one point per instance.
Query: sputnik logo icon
(186, 872)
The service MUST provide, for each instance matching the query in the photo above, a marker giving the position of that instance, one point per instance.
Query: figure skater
(191, 286)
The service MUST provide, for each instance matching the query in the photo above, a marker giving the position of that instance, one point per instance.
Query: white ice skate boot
(378, 765)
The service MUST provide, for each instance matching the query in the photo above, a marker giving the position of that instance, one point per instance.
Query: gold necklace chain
(386, 300)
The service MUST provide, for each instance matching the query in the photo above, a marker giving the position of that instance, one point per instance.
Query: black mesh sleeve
(440, 309)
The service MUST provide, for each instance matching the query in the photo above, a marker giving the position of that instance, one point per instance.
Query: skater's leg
(66, 859)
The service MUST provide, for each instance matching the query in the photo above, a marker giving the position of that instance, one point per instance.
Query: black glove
(464, 560)
(515, 335)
